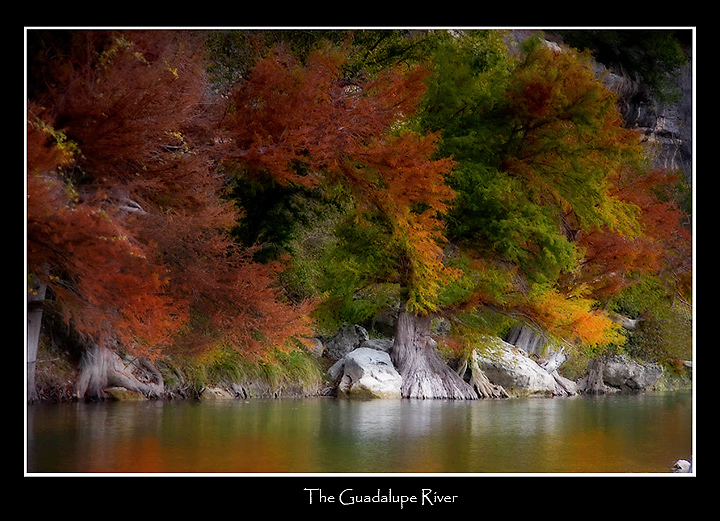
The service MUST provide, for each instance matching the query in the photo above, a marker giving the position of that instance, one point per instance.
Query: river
(639, 433)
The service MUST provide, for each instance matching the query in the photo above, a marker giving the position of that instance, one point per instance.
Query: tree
(302, 125)
(481, 178)
(540, 149)
(127, 226)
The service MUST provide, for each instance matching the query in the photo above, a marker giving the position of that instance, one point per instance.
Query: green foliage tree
(537, 141)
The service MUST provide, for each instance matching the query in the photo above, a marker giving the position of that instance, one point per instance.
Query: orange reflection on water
(594, 450)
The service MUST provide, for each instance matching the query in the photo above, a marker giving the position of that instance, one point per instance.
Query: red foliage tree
(129, 230)
(614, 261)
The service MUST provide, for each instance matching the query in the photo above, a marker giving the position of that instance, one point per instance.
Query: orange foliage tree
(302, 124)
(130, 153)
(127, 226)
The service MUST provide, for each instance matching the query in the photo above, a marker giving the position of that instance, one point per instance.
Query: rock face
(368, 373)
(623, 373)
(665, 126)
(538, 346)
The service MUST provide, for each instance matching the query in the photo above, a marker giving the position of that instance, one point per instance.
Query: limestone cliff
(666, 126)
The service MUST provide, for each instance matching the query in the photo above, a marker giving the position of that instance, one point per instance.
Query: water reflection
(640, 433)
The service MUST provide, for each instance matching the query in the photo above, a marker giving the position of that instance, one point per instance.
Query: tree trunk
(480, 382)
(595, 384)
(34, 323)
(101, 368)
(424, 373)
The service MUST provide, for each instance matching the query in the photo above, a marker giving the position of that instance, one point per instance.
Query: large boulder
(619, 373)
(509, 367)
(627, 374)
(368, 373)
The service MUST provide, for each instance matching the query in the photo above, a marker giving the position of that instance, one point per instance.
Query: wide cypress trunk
(424, 373)
(101, 368)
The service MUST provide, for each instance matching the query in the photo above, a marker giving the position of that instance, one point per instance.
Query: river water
(641, 433)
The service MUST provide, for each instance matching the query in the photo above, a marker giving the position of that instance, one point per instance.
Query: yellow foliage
(572, 318)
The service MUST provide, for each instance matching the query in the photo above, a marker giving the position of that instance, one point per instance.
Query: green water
(642, 433)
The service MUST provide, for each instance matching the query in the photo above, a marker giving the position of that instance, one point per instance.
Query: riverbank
(322, 371)
(226, 374)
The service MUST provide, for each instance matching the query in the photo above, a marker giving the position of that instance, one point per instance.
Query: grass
(276, 370)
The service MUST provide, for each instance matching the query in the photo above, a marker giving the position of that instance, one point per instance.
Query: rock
(564, 386)
(511, 368)
(681, 466)
(369, 373)
(624, 373)
(665, 126)
(528, 339)
(379, 344)
(348, 338)
(619, 373)
(216, 393)
(122, 394)
(549, 355)
(336, 370)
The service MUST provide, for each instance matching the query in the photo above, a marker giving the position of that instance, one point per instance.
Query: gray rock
(380, 344)
(347, 338)
(336, 370)
(564, 386)
(548, 354)
(369, 373)
(681, 466)
(511, 368)
(627, 374)
(619, 373)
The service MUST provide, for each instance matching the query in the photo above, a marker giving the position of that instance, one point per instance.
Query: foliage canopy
(185, 187)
